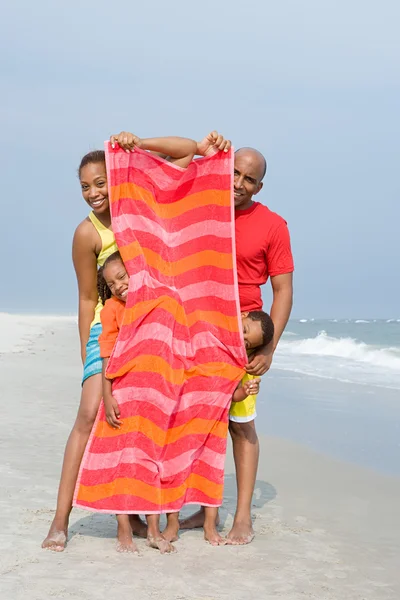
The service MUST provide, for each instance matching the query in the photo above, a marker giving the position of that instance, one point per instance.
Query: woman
(93, 242)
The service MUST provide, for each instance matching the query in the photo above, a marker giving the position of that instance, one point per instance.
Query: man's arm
(282, 289)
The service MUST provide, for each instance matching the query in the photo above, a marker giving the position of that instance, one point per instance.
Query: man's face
(248, 172)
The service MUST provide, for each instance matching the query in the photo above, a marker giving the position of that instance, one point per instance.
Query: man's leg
(246, 452)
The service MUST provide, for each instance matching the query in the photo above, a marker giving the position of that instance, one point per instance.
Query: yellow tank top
(108, 246)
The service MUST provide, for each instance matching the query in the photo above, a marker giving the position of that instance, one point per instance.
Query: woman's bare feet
(56, 539)
(161, 544)
(171, 531)
(125, 542)
(242, 533)
(138, 527)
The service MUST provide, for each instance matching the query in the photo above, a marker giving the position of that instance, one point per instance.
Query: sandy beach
(325, 529)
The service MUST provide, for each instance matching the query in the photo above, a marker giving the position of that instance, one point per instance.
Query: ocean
(335, 387)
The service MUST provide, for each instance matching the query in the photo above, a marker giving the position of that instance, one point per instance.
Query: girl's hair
(96, 156)
(102, 287)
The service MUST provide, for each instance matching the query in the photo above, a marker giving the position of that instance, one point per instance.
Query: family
(262, 252)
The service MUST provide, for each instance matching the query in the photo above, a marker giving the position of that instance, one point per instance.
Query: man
(262, 251)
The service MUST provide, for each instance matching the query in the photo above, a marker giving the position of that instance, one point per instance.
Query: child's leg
(154, 536)
(211, 534)
(171, 531)
(195, 520)
(125, 542)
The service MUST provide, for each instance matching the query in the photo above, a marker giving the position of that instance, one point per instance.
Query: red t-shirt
(262, 251)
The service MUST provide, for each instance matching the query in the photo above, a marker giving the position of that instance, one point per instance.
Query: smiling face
(248, 173)
(117, 279)
(93, 178)
(252, 332)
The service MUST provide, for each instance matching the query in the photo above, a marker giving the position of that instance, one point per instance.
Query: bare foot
(161, 544)
(138, 527)
(125, 542)
(195, 521)
(212, 536)
(241, 533)
(56, 539)
(171, 531)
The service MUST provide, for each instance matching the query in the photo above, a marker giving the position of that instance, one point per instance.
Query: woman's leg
(90, 401)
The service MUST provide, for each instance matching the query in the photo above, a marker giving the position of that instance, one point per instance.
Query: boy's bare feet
(161, 544)
(171, 531)
(242, 533)
(125, 542)
(56, 539)
(212, 536)
(138, 527)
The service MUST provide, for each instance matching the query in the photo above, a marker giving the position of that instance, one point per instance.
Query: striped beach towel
(180, 352)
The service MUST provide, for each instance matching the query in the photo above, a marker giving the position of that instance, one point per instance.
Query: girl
(93, 242)
(113, 290)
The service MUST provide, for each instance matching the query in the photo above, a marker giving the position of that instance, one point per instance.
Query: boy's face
(117, 279)
(252, 332)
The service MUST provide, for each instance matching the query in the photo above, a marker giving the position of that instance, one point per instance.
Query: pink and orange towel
(180, 353)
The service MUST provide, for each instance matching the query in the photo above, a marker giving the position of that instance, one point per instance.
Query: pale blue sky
(314, 85)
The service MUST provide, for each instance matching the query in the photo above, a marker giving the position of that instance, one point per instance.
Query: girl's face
(117, 279)
(93, 178)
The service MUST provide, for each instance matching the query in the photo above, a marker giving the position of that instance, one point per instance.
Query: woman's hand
(125, 140)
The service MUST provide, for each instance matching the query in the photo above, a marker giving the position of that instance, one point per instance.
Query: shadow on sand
(104, 526)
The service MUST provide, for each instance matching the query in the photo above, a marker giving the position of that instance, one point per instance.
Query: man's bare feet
(171, 531)
(212, 536)
(138, 527)
(242, 533)
(125, 542)
(195, 521)
(56, 539)
(161, 544)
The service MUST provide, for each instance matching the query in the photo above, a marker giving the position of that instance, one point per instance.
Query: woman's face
(93, 178)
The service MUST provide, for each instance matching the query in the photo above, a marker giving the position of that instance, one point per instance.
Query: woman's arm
(85, 265)
(176, 149)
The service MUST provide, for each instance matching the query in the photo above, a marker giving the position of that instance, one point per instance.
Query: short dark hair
(267, 325)
(94, 157)
(102, 287)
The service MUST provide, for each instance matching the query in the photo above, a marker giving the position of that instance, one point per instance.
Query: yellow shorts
(244, 411)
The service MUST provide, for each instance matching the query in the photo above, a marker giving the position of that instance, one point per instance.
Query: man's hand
(260, 362)
(213, 142)
(127, 141)
(112, 411)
